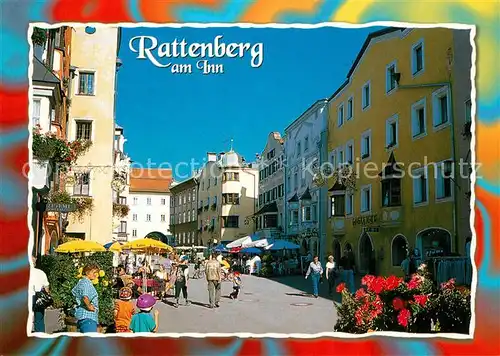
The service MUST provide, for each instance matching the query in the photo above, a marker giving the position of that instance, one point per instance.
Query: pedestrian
(39, 285)
(347, 264)
(213, 274)
(331, 274)
(124, 309)
(144, 322)
(315, 270)
(236, 285)
(87, 300)
(181, 278)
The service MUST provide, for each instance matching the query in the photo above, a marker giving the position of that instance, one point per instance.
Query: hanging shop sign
(364, 220)
(61, 207)
(371, 229)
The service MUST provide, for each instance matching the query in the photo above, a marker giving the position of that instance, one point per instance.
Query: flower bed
(416, 306)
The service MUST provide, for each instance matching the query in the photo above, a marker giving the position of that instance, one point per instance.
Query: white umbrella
(239, 242)
(282, 245)
(258, 243)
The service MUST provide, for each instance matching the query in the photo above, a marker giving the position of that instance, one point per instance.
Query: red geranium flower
(421, 299)
(377, 285)
(403, 317)
(448, 285)
(415, 282)
(341, 287)
(392, 282)
(360, 293)
(368, 280)
(398, 303)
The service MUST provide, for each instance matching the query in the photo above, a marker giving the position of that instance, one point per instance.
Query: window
(134, 233)
(86, 83)
(306, 144)
(136, 200)
(366, 198)
(298, 149)
(366, 96)
(122, 200)
(148, 217)
(420, 186)
(36, 111)
(193, 214)
(148, 201)
(193, 198)
(468, 111)
(303, 180)
(82, 184)
(444, 180)
(270, 221)
(294, 217)
(337, 205)
(350, 152)
(233, 176)
(391, 132)
(390, 77)
(134, 217)
(340, 115)
(184, 217)
(349, 204)
(418, 118)
(281, 190)
(123, 227)
(350, 108)
(314, 210)
(333, 159)
(341, 157)
(398, 250)
(440, 107)
(231, 221)
(417, 58)
(306, 213)
(231, 198)
(391, 192)
(84, 130)
(162, 218)
(366, 145)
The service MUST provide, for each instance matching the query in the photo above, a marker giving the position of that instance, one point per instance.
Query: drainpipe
(453, 149)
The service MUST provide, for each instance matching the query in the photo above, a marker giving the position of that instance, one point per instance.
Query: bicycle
(199, 273)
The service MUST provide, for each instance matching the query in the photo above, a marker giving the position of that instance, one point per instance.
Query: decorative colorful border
(14, 267)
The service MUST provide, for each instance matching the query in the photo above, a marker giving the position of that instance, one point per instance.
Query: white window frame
(364, 188)
(340, 156)
(349, 198)
(350, 99)
(349, 143)
(298, 148)
(393, 119)
(163, 201)
(303, 213)
(77, 82)
(333, 158)
(134, 232)
(414, 58)
(83, 119)
(389, 91)
(438, 167)
(134, 217)
(306, 144)
(367, 133)
(39, 119)
(148, 217)
(91, 178)
(365, 107)
(421, 104)
(436, 108)
(425, 171)
(136, 200)
(148, 201)
(340, 115)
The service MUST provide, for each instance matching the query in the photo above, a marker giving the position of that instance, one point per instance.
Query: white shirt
(38, 280)
(330, 265)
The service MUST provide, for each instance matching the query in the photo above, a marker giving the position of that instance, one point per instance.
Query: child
(236, 285)
(144, 322)
(124, 309)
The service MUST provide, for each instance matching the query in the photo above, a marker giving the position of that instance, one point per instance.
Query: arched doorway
(366, 254)
(399, 250)
(337, 252)
(434, 241)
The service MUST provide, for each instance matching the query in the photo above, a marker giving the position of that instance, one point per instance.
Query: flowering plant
(390, 304)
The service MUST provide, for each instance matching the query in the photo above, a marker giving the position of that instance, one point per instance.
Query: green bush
(63, 272)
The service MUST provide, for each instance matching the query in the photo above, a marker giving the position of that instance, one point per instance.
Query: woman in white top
(331, 274)
(315, 270)
(38, 282)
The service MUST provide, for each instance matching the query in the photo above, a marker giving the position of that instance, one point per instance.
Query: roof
(316, 103)
(337, 187)
(269, 208)
(293, 199)
(392, 169)
(42, 74)
(178, 187)
(361, 52)
(150, 180)
(306, 195)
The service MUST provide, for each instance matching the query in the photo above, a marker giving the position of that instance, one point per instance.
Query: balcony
(392, 216)
(338, 224)
(122, 236)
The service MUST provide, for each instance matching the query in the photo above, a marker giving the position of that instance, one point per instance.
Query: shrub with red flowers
(390, 304)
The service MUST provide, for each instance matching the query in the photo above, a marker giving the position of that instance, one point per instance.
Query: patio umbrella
(252, 250)
(278, 245)
(257, 243)
(116, 247)
(220, 248)
(80, 246)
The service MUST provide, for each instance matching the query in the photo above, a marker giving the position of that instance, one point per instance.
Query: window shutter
(414, 122)
(439, 183)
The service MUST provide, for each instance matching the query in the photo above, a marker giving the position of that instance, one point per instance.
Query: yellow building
(392, 121)
(92, 117)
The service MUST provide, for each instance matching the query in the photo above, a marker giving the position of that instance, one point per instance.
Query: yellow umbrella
(116, 247)
(146, 244)
(80, 246)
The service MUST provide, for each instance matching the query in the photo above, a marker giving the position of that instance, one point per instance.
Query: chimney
(211, 157)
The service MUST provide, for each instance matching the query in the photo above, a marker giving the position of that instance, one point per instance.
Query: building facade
(149, 199)
(305, 142)
(269, 218)
(227, 198)
(392, 121)
(184, 212)
(92, 117)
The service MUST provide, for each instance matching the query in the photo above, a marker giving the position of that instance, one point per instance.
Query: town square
(286, 189)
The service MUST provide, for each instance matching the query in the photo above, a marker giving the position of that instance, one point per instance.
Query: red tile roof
(150, 180)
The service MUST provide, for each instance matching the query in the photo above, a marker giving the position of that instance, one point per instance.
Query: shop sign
(61, 207)
(371, 229)
(364, 220)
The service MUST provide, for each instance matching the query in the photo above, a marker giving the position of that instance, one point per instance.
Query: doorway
(337, 253)
(366, 254)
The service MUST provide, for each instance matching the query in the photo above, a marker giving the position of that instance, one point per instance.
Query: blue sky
(179, 117)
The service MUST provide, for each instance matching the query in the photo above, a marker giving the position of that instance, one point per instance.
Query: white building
(305, 141)
(149, 201)
(269, 217)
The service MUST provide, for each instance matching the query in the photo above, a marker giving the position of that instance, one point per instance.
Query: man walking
(213, 274)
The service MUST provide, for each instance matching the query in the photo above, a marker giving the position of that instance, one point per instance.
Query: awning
(269, 208)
